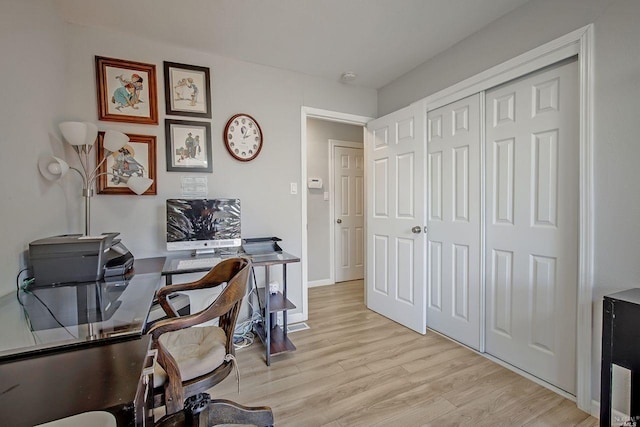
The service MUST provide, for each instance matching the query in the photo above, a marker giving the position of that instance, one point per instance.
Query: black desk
(110, 377)
(620, 346)
(77, 348)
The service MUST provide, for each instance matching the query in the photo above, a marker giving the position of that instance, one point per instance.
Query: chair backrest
(226, 307)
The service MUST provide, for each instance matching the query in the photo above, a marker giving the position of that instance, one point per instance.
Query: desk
(273, 337)
(56, 385)
(76, 348)
(620, 338)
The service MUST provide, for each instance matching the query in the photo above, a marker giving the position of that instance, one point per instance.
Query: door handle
(417, 229)
(339, 221)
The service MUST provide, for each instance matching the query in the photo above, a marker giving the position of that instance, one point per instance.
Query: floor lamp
(82, 136)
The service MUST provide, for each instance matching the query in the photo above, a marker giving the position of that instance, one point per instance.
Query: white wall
(616, 124)
(274, 97)
(32, 84)
(529, 26)
(318, 213)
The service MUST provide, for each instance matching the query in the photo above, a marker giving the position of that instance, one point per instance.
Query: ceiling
(379, 40)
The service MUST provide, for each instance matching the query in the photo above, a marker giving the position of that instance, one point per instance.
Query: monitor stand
(206, 251)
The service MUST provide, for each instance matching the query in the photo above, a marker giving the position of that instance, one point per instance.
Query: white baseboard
(322, 282)
(296, 318)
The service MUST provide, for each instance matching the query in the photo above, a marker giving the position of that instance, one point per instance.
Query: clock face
(243, 137)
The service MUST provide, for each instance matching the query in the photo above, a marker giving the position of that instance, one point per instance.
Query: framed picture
(137, 157)
(187, 90)
(188, 146)
(126, 91)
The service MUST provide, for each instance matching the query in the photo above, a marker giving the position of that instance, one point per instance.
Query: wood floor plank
(353, 367)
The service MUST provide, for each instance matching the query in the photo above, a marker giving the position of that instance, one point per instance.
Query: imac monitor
(203, 225)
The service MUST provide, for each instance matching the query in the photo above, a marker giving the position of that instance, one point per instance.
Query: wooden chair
(192, 359)
(200, 411)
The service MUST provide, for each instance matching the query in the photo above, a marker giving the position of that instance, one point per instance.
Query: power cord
(24, 288)
(243, 335)
(18, 287)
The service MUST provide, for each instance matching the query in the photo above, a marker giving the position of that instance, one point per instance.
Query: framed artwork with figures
(136, 158)
(187, 90)
(188, 146)
(126, 91)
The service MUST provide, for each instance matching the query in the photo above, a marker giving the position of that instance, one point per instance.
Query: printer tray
(119, 266)
(261, 245)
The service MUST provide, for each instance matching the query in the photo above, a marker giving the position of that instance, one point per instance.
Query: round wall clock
(243, 137)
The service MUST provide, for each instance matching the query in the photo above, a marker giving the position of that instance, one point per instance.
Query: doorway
(318, 127)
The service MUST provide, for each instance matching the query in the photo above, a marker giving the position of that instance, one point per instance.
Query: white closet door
(532, 149)
(395, 217)
(453, 220)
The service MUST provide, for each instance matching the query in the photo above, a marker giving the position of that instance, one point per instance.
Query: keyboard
(192, 263)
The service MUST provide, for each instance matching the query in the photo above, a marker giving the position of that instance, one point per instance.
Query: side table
(274, 338)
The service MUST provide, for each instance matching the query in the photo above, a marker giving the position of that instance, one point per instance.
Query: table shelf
(279, 342)
(277, 302)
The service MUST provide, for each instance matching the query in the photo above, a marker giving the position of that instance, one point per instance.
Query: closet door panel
(453, 236)
(532, 223)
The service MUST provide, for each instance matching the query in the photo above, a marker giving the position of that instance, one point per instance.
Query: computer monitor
(203, 225)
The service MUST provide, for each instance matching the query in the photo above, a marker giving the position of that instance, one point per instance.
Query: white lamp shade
(92, 133)
(52, 168)
(114, 140)
(139, 184)
(74, 132)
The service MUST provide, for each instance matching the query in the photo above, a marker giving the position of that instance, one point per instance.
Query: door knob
(417, 229)
(339, 221)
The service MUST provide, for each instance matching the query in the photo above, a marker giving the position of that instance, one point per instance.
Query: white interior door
(453, 221)
(348, 181)
(395, 217)
(532, 195)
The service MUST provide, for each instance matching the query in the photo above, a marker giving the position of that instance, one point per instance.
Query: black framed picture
(188, 146)
(187, 90)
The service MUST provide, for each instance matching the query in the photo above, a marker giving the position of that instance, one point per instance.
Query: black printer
(76, 258)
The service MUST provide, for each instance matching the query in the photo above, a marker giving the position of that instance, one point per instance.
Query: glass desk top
(48, 317)
(183, 263)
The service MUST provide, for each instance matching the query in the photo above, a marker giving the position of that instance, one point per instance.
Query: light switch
(326, 195)
(294, 188)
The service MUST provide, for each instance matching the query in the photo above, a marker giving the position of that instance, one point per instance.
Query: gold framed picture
(137, 157)
(126, 91)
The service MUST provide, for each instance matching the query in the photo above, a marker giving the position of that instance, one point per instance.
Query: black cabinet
(620, 346)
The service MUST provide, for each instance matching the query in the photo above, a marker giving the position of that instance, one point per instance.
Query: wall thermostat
(314, 183)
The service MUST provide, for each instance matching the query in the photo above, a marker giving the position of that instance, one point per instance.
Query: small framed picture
(137, 157)
(187, 90)
(188, 146)
(126, 91)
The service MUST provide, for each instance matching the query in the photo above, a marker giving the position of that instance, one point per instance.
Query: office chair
(192, 359)
(200, 411)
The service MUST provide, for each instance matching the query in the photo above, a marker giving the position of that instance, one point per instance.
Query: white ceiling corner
(379, 40)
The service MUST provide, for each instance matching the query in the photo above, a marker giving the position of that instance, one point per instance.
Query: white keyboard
(187, 264)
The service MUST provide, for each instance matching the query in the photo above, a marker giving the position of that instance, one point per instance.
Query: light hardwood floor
(354, 367)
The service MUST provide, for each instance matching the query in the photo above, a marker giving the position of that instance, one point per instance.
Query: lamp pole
(88, 179)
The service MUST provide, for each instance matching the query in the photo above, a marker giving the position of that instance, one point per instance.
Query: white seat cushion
(197, 351)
